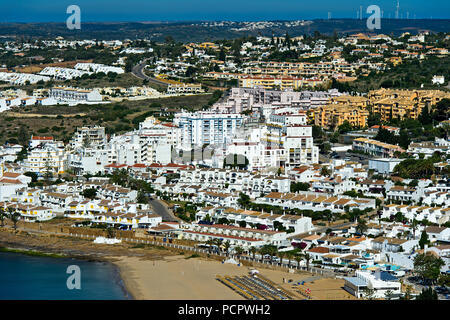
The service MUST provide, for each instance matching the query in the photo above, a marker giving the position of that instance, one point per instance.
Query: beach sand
(178, 278)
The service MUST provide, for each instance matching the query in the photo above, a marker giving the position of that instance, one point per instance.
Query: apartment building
(88, 137)
(306, 200)
(177, 88)
(281, 83)
(376, 148)
(200, 128)
(65, 94)
(253, 219)
(237, 236)
(47, 157)
(397, 103)
(332, 116)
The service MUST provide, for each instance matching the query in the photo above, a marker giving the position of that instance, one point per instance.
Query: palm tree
(14, 217)
(289, 256)
(306, 257)
(227, 246)
(298, 258)
(239, 251)
(253, 251)
(218, 243)
(210, 242)
(281, 255)
(2, 216)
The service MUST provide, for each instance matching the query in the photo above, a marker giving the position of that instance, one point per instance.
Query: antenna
(360, 12)
(329, 15)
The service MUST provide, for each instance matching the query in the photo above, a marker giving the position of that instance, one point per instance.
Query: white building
(204, 127)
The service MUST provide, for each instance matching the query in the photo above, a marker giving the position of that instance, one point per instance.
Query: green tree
(141, 198)
(3, 216)
(244, 200)
(325, 172)
(14, 216)
(427, 294)
(299, 186)
(345, 127)
(361, 227)
(427, 266)
(423, 239)
(89, 193)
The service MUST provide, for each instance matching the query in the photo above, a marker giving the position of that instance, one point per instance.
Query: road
(138, 71)
(163, 211)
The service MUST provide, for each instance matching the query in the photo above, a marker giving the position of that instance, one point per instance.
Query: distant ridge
(206, 30)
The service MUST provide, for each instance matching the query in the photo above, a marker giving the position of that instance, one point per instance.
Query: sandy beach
(178, 278)
(156, 273)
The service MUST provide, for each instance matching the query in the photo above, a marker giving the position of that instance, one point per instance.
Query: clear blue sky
(240, 10)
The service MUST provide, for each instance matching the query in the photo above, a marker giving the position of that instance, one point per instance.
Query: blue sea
(24, 277)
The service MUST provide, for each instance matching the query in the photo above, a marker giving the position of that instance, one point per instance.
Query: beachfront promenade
(173, 244)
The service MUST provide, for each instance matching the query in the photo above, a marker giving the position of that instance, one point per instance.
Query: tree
(110, 232)
(227, 246)
(361, 227)
(423, 239)
(427, 266)
(404, 140)
(32, 175)
(244, 200)
(222, 55)
(369, 294)
(89, 193)
(388, 294)
(307, 258)
(299, 186)
(253, 251)
(427, 294)
(14, 216)
(298, 258)
(345, 127)
(239, 251)
(141, 198)
(48, 172)
(3, 216)
(325, 172)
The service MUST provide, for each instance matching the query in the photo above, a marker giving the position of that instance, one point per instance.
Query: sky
(208, 10)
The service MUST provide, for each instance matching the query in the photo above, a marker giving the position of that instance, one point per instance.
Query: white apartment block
(187, 88)
(63, 94)
(200, 128)
(306, 200)
(295, 224)
(96, 68)
(438, 215)
(49, 156)
(88, 137)
(245, 237)
(234, 180)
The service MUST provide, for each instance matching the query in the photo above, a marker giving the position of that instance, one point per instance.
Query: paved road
(138, 71)
(161, 209)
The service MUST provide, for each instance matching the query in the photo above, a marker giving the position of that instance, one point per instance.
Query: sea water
(24, 277)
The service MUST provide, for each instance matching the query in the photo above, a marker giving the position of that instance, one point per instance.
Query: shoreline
(154, 273)
(127, 293)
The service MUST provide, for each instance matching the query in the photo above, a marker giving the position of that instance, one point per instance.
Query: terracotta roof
(319, 250)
